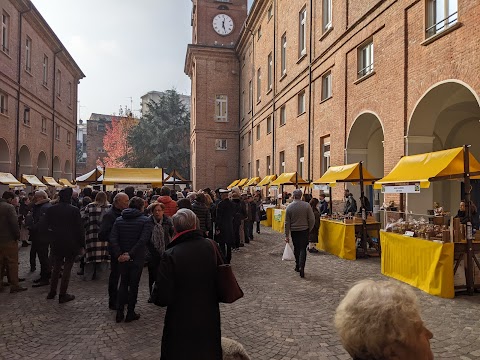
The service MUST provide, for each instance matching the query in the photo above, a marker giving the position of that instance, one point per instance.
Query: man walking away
(120, 203)
(251, 208)
(129, 237)
(68, 240)
(299, 221)
(9, 236)
(224, 232)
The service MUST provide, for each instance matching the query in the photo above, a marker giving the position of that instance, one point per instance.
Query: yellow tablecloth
(421, 263)
(278, 220)
(337, 239)
(268, 222)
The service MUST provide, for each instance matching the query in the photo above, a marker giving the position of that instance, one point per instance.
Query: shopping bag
(288, 254)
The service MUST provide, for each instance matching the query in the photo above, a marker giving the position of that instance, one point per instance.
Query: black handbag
(263, 215)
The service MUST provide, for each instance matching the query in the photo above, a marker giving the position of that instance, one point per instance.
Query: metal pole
(468, 189)
(364, 211)
(331, 201)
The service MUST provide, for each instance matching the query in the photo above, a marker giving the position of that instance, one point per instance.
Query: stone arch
(25, 160)
(57, 170)
(5, 161)
(42, 165)
(68, 170)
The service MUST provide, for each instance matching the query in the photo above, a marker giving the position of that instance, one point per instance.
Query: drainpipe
(310, 107)
(272, 164)
(19, 77)
(54, 87)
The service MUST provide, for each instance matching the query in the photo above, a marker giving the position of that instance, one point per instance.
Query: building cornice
(207, 51)
(252, 20)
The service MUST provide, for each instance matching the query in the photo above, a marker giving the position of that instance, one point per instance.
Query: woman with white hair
(381, 321)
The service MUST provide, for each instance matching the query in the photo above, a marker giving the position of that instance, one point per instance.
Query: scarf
(158, 236)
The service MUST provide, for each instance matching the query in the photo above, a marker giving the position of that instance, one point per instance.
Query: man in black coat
(187, 285)
(224, 234)
(128, 240)
(120, 203)
(251, 210)
(68, 240)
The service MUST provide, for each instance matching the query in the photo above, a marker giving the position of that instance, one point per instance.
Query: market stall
(33, 181)
(233, 184)
(242, 183)
(253, 181)
(133, 176)
(266, 181)
(66, 183)
(338, 233)
(94, 176)
(174, 178)
(50, 181)
(10, 181)
(423, 254)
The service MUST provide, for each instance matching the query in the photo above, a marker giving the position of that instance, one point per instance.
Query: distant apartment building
(155, 96)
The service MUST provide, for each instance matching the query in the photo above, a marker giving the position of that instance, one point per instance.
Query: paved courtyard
(280, 317)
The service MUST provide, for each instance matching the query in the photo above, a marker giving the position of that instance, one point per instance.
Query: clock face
(223, 24)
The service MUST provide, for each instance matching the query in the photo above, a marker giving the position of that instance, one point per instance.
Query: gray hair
(117, 197)
(41, 194)
(374, 316)
(191, 196)
(184, 219)
(297, 194)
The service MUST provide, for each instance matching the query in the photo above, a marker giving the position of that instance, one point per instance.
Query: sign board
(277, 215)
(402, 189)
(259, 188)
(409, 233)
(320, 187)
(141, 187)
(274, 187)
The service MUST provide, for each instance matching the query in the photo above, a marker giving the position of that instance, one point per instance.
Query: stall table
(278, 220)
(424, 264)
(268, 222)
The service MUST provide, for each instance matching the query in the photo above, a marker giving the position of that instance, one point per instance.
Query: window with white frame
(365, 59)
(258, 132)
(269, 165)
(26, 116)
(58, 85)
(221, 144)
(28, 54)
(300, 159)
(326, 15)
(221, 111)
(257, 168)
(270, 12)
(249, 137)
(250, 96)
(325, 154)
(69, 140)
(327, 85)
(281, 168)
(44, 125)
(269, 125)
(301, 103)
(57, 132)
(270, 72)
(5, 32)
(283, 115)
(3, 103)
(259, 84)
(302, 33)
(441, 14)
(45, 70)
(284, 54)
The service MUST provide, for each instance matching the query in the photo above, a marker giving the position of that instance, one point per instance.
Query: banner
(401, 189)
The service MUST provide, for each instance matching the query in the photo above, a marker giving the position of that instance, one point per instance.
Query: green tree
(161, 136)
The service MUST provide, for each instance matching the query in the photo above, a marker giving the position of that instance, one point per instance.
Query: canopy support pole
(331, 201)
(363, 211)
(468, 189)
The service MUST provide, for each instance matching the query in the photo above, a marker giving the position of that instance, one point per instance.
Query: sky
(125, 48)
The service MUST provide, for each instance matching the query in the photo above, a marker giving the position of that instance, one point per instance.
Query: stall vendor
(350, 204)
(462, 214)
(437, 209)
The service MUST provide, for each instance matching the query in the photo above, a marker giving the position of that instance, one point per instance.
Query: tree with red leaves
(115, 141)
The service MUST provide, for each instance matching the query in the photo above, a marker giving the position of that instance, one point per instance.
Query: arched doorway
(365, 143)
(68, 170)
(42, 165)
(446, 116)
(25, 161)
(5, 161)
(57, 170)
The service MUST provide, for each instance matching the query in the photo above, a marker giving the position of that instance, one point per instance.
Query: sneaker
(120, 316)
(62, 299)
(302, 273)
(131, 316)
(51, 295)
(17, 289)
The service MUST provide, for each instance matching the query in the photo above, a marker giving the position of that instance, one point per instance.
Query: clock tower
(213, 67)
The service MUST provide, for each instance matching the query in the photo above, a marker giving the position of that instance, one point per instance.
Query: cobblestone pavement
(280, 317)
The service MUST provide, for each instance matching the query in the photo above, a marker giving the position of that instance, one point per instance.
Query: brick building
(323, 82)
(38, 95)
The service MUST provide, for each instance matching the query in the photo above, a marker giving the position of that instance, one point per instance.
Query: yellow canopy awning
(133, 176)
(50, 181)
(345, 173)
(32, 180)
(423, 168)
(267, 180)
(242, 182)
(289, 179)
(10, 180)
(66, 183)
(253, 181)
(233, 184)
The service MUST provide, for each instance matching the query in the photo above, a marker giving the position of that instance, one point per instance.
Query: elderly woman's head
(157, 209)
(183, 220)
(381, 321)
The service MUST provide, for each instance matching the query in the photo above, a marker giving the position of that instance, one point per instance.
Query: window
(257, 168)
(5, 32)
(270, 12)
(44, 126)
(269, 166)
(221, 144)
(221, 103)
(325, 156)
(249, 169)
(101, 127)
(284, 54)
(281, 168)
(269, 125)
(58, 85)
(258, 132)
(26, 116)
(69, 140)
(441, 14)
(242, 142)
(283, 115)
(301, 103)
(270, 72)
(70, 94)
(249, 137)
(45, 70)
(57, 132)
(3, 104)
(259, 85)
(101, 150)
(259, 33)
(327, 15)
(302, 33)
(300, 159)
(250, 96)
(365, 59)
(327, 85)
(28, 54)
(242, 105)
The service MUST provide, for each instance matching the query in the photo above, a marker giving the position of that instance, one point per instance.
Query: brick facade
(41, 106)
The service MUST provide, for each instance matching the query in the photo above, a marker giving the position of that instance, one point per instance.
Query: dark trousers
(9, 258)
(130, 274)
(33, 254)
(152, 272)
(113, 282)
(258, 227)
(45, 265)
(58, 262)
(236, 235)
(248, 230)
(300, 243)
(226, 250)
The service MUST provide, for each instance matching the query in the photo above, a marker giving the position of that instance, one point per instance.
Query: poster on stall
(277, 215)
(401, 189)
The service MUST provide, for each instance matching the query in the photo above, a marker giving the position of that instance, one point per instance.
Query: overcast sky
(125, 48)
